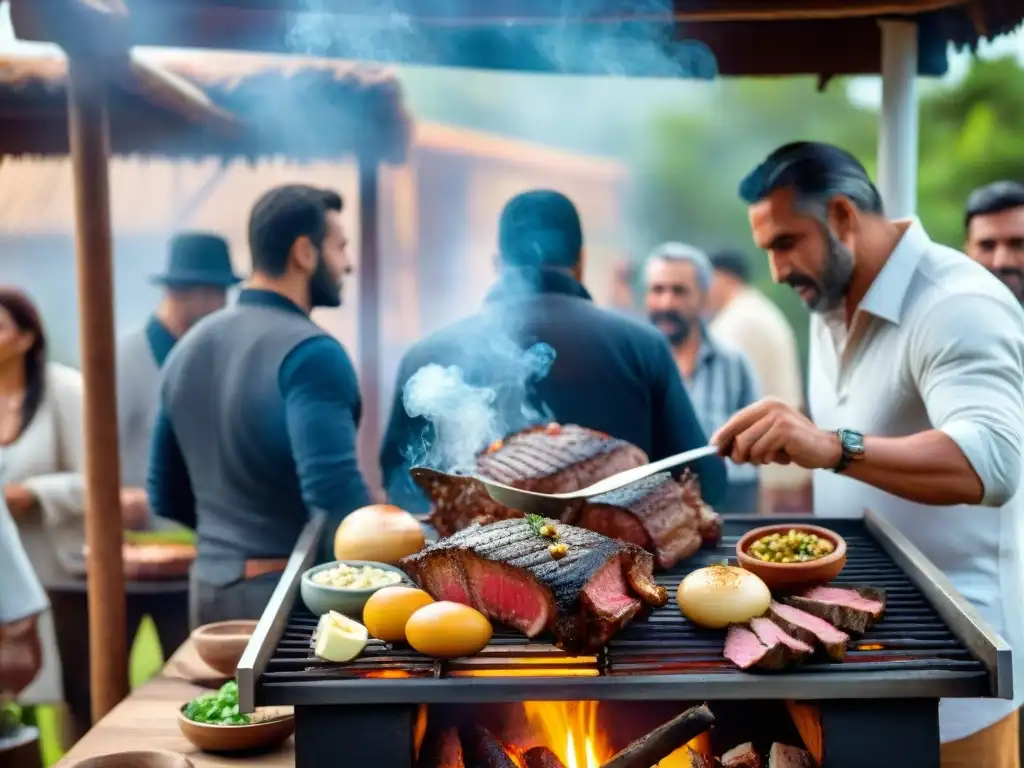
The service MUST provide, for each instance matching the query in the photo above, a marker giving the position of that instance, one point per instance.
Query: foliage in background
(689, 165)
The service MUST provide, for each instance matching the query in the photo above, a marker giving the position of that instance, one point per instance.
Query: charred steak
(852, 610)
(809, 629)
(770, 633)
(745, 649)
(552, 459)
(507, 571)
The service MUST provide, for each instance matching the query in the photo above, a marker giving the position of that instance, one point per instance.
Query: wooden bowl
(221, 644)
(791, 577)
(272, 729)
(137, 760)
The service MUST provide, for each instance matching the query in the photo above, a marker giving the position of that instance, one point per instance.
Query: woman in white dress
(41, 474)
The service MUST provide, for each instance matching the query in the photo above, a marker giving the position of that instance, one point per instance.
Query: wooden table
(148, 720)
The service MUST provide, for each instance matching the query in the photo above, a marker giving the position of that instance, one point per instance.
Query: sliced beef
(783, 756)
(541, 757)
(742, 756)
(506, 571)
(744, 649)
(852, 610)
(650, 514)
(809, 629)
(770, 634)
(552, 459)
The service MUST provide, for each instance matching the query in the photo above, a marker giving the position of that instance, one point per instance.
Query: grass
(146, 660)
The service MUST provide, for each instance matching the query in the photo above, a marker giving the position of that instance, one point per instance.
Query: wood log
(481, 749)
(697, 760)
(664, 740)
(784, 756)
(542, 757)
(741, 756)
(443, 750)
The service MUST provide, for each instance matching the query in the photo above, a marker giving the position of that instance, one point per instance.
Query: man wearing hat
(195, 284)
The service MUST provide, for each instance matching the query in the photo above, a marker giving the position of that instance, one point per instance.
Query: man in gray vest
(259, 411)
(195, 284)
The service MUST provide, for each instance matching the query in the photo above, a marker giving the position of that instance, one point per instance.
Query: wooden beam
(90, 150)
(369, 321)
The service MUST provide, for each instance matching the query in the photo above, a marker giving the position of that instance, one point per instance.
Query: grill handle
(275, 616)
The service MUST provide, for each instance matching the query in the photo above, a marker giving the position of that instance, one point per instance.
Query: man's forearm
(928, 468)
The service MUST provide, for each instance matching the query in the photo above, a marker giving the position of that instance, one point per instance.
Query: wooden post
(89, 144)
(369, 321)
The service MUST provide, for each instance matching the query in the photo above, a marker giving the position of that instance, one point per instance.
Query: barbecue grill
(878, 707)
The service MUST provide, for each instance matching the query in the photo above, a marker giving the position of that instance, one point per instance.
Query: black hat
(198, 259)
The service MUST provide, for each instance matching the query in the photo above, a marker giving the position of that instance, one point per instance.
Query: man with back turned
(610, 372)
(259, 411)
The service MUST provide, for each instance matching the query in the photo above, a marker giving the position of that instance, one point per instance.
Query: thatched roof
(656, 38)
(301, 109)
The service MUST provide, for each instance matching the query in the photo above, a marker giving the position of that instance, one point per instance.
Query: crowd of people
(236, 421)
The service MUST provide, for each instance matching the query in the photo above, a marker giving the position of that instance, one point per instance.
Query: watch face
(853, 442)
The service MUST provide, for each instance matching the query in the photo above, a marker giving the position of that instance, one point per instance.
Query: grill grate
(910, 638)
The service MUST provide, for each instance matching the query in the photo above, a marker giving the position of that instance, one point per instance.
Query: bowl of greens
(213, 723)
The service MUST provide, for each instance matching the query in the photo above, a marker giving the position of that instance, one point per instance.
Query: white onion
(380, 532)
(720, 595)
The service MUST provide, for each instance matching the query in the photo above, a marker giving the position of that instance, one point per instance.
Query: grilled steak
(650, 514)
(809, 629)
(852, 610)
(541, 757)
(506, 571)
(742, 756)
(552, 459)
(782, 756)
(744, 649)
(770, 633)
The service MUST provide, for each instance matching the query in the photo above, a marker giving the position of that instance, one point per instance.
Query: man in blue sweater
(259, 411)
(610, 372)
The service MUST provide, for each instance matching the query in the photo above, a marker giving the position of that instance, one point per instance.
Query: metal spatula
(552, 504)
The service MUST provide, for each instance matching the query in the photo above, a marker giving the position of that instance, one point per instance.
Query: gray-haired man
(719, 378)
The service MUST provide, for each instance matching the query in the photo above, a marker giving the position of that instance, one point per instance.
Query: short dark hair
(732, 262)
(283, 215)
(992, 198)
(817, 171)
(540, 228)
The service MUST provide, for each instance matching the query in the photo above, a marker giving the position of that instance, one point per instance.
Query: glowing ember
(570, 729)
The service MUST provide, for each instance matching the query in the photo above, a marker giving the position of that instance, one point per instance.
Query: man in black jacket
(610, 372)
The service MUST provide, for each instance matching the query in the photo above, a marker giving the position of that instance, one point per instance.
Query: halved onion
(720, 595)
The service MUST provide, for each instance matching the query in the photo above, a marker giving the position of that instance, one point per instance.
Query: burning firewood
(664, 740)
(783, 756)
(481, 749)
(442, 751)
(697, 760)
(742, 756)
(542, 757)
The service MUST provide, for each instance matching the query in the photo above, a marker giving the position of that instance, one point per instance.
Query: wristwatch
(852, 444)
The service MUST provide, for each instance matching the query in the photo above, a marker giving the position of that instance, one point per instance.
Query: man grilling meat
(718, 377)
(610, 373)
(917, 392)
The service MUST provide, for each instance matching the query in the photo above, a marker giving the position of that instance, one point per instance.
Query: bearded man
(717, 376)
(917, 394)
(259, 411)
(994, 220)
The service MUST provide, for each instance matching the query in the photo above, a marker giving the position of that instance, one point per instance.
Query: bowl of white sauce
(345, 585)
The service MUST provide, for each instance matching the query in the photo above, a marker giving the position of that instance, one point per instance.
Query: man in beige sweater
(745, 318)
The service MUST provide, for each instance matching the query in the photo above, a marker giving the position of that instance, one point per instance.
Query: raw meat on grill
(742, 756)
(783, 756)
(848, 609)
(770, 634)
(744, 649)
(809, 629)
(507, 571)
(651, 514)
(552, 459)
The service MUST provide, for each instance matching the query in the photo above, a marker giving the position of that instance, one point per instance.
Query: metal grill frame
(992, 679)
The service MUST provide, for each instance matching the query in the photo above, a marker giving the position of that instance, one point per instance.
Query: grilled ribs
(507, 571)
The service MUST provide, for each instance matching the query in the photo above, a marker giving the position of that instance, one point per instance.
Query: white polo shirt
(21, 594)
(937, 343)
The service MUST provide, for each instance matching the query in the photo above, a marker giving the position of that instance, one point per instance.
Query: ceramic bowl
(221, 644)
(320, 599)
(137, 760)
(791, 577)
(269, 730)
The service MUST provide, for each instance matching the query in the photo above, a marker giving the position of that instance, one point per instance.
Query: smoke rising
(468, 410)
